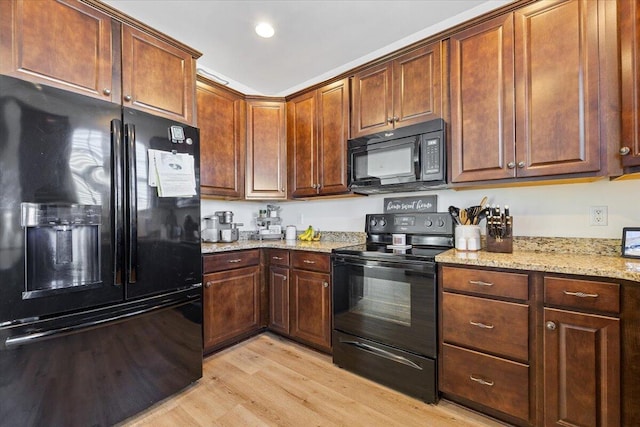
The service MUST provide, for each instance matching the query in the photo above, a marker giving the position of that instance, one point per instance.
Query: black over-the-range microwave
(407, 159)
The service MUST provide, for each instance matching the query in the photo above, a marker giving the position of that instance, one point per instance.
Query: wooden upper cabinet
(317, 133)
(66, 44)
(482, 101)
(266, 172)
(525, 94)
(629, 13)
(557, 80)
(221, 119)
(157, 77)
(79, 47)
(400, 92)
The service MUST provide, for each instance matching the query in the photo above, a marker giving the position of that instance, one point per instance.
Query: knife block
(500, 242)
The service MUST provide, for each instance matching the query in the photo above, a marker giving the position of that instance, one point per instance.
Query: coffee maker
(228, 229)
(211, 229)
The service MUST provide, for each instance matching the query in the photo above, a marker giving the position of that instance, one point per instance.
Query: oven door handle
(382, 353)
(423, 266)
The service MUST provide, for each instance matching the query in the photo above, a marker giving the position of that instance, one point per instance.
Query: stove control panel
(416, 223)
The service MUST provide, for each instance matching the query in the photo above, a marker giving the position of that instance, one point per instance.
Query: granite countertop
(589, 257)
(329, 241)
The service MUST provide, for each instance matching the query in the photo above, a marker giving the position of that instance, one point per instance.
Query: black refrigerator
(100, 259)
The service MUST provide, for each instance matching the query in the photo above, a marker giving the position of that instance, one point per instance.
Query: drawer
(490, 381)
(497, 327)
(486, 282)
(582, 294)
(278, 257)
(310, 261)
(230, 260)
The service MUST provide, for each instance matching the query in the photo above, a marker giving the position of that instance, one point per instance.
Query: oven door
(393, 303)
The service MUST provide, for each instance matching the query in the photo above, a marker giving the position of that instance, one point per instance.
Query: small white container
(399, 239)
(468, 237)
(290, 232)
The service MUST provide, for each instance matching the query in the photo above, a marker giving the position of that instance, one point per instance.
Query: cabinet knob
(325, 284)
(551, 325)
(127, 98)
(396, 119)
(520, 165)
(624, 151)
(511, 165)
(207, 285)
(106, 91)
(389, 119)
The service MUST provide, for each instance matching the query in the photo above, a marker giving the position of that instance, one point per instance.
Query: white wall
(560, 210)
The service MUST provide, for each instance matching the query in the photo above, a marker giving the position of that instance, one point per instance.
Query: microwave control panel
(431, 156)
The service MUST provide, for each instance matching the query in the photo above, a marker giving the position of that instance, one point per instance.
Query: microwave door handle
(417, 160)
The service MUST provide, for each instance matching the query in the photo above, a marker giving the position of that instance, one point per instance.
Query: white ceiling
(314, 40)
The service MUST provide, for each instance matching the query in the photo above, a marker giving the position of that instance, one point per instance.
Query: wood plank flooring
(271, 381)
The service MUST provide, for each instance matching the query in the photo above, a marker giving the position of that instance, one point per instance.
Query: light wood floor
(270, 381)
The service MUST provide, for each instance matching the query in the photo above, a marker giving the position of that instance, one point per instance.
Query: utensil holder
(500, 238)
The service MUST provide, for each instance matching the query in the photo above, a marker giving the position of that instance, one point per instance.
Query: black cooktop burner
(382, 251)
(428, 234)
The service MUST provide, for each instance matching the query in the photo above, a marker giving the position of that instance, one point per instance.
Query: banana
(316, 236)
(307, 235)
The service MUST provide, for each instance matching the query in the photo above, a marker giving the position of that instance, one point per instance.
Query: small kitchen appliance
(385, 305)
(228, 229)
(211, 230)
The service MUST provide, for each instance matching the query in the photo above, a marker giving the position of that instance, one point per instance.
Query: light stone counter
(329, 241)
(589, 257)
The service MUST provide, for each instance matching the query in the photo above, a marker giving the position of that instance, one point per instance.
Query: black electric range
(427, 235)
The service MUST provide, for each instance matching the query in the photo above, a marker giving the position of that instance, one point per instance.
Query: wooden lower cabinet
(300, 296)
(279, 299)
(581, 369)
(485, 345)
(231, 298)
(582, 356)
(310, 308)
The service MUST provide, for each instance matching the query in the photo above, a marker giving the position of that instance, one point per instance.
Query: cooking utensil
(454, 212)
(463, 217)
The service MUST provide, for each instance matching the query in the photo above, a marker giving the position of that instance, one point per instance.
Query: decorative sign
(411, 204)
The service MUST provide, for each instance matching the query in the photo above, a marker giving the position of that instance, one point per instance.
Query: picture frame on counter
(631, 242)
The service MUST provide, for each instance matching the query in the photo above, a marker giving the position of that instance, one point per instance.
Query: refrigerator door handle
(132, 203)
(117, 209)
(37, 337)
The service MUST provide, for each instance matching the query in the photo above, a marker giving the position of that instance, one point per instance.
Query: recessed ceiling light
(264, 30)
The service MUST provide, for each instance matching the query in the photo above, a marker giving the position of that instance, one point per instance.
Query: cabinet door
(372, 109)
(221, 119)
(266, 172)
(557, 76)
(231, 305)
(157, 77)
(333, 133)
(302, 145)
(630, 57)
(581, 369)
(417, 83)
(310, 305)
(482, 102)
(65, 43)
(279, 299)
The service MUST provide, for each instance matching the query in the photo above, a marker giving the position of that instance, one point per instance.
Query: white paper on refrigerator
(172, 173)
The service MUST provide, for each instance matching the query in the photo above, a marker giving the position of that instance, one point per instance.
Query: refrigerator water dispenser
(62, 247)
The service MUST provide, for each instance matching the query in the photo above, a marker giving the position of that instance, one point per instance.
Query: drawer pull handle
(306, 261)
(480, 283)
(581, 294)
(277, 258)
(481, 325)
(481, 381)
(233, 261)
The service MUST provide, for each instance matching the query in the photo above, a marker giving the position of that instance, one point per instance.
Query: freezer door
(162, 231)
(58, 249)
(100, 367)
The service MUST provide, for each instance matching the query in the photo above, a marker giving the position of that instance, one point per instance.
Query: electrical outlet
(598, 215)
(300, 218)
